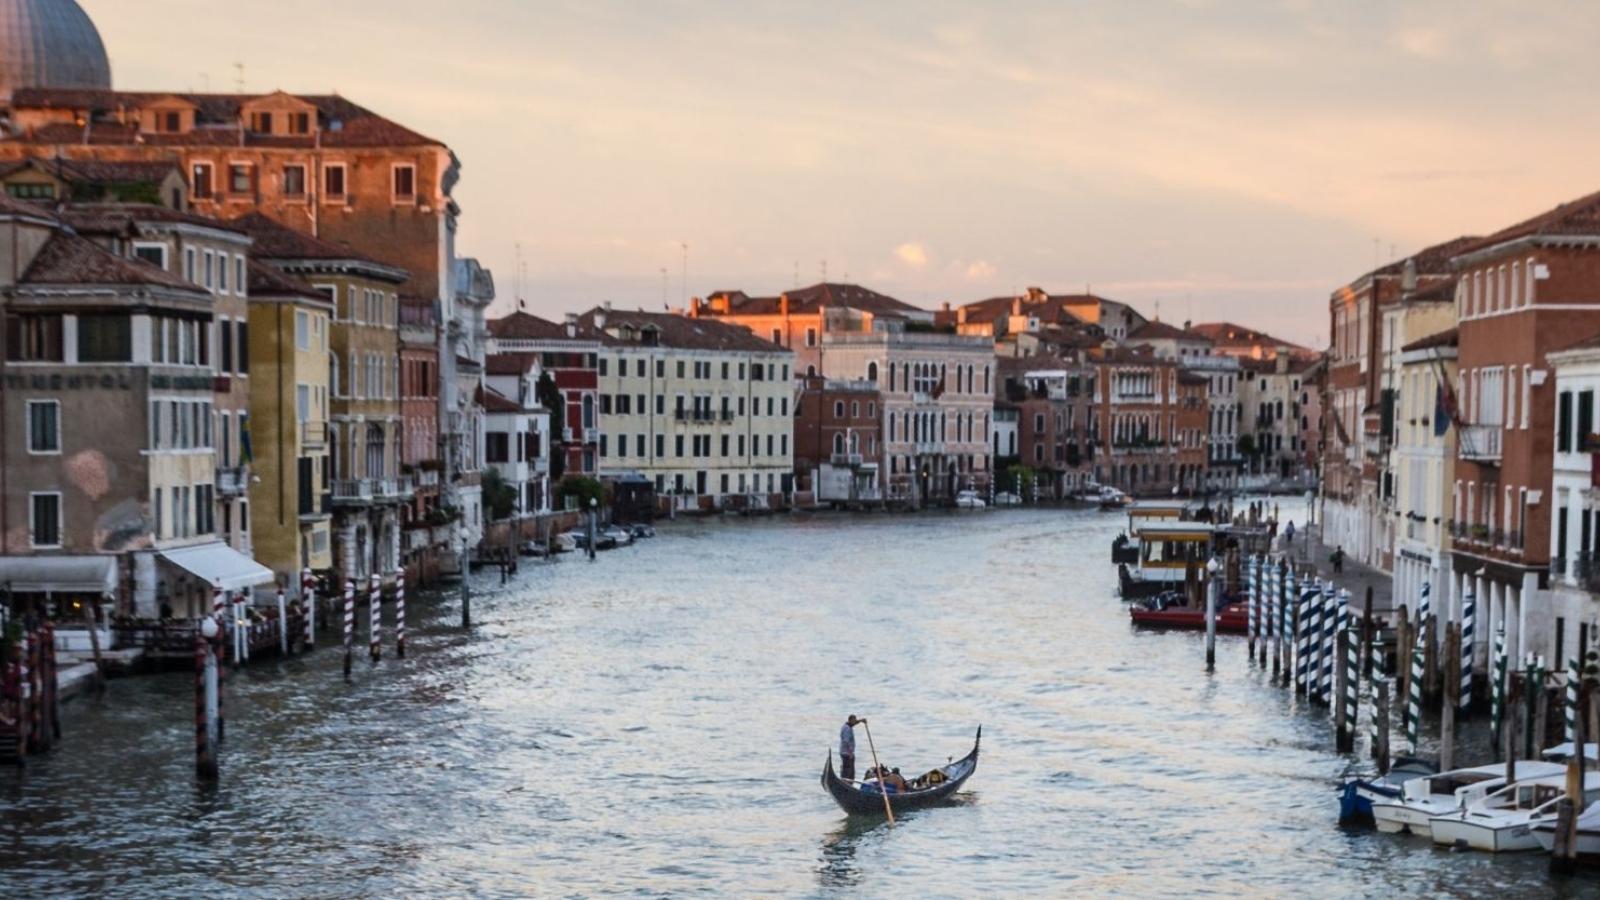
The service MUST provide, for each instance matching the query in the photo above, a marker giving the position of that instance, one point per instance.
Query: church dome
(51, 44)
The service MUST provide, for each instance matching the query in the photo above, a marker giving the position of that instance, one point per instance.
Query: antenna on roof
(664, 288)
(824, 271)
(238, 77)
(685, 246)
(797, 273)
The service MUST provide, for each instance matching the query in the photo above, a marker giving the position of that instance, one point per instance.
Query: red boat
(1231, 618)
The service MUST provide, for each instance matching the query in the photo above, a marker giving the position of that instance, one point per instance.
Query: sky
(1202, 159)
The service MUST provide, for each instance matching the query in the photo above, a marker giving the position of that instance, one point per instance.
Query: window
(225, 329)
(1585, 416)
(222, 273)
(294, 181)
(189, 264)
(44, 519)
(811, 337)
(238, 274)
(241, 178)
(34, 338)
(299, 123)
(32, 191)
(210, 280)
(200, 187)
(496, 447)
(261, 122)
(302, 330)
(1564, 423)
(333, 182)
(405, 183)
(244, 347)
(105, 338)
(44, 426)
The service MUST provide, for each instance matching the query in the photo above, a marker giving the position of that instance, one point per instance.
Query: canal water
(654, 724)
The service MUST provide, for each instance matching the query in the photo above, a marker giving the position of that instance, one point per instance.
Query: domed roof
(50, 44)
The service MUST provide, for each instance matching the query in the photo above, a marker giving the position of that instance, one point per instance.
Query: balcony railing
(351, 490)
(427, 478)
(1586, 572)
(846, 459)
(695, 415)
(232, 481)
(1481, 442)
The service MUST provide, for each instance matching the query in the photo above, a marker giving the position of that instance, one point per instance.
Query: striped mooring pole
(1424, 606)
(308, 599)
(400, 613)
(1469, 621)
(1306, 614)
(375, 621)
(1372, 692)
(219, 608)
(1497, 686)
(1352, 666)
(349, 623)
(1269, 584)
(1252, 609)
(1326, 651)
(283, 624)
(1414, 700)
(1571, 705)
(1286, 624)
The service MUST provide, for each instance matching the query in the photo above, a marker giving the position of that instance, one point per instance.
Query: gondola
(867, 801)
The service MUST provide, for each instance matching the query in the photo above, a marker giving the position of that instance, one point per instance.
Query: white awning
(219, 564)
(59, 574)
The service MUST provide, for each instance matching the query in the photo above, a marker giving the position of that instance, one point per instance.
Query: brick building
(838, 440)
(1053, 402)
(570, 359)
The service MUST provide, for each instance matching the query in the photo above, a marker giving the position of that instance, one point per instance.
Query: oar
(882, 787)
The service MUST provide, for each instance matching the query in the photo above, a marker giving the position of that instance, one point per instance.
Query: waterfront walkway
(1309, 552)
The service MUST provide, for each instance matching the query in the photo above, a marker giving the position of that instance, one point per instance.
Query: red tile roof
(1157, 330)
(674, 330)
(280, 242)
(1450, 337)
(510, 363)
(343, 123)
(1575, 217)
(266, 281)
(94, 171)
(493, 401)
(833, 295)
(522, 326)
(67, 259)
(118, 218)
(1043, 306)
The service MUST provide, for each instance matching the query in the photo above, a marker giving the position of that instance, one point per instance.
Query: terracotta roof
(280, 242)
(493, 401)
(1037, 304)
(510, 363)
(528, 327)
(117, 218)
(1192, 378)
(1229, 334)
(94, 171)
(1157, 330)
(343, 123)
(1575, 217)
(1433, 260)
(1450, 337)
(674, 330)
(67, 259)
(266, 281)
(1018, 364)
(833, 295)
(1141, 355)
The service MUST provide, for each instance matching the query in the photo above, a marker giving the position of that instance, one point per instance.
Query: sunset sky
(1223, 159)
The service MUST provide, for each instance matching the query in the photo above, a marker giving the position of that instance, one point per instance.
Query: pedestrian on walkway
(1337, 559)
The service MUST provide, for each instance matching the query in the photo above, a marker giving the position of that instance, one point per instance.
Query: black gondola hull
(859, 802)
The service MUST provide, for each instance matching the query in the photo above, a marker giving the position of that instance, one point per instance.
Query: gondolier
(847, 748)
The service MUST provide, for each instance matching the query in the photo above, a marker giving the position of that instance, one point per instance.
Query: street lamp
(1213, 568)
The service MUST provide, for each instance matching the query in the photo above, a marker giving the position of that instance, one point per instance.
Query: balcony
(351, 491)
(1586, 572)
(1481, 443)
(221, 384)
(313, 435)
(312, 505)
(846, 459)
(694, 415)
(427, 478)
(233, 481)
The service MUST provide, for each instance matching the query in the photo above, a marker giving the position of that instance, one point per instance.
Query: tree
(499, 496)
(582, 490)
(549, 397)
(1247, 445)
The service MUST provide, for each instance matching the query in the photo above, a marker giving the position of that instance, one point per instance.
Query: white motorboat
(1503, 822)
(969, 500)
(620, 537)
(1422, 799)
(1006, 498)
(563, 543)
(1587, 846)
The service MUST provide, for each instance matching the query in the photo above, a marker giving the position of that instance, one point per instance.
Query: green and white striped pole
(1414, 704)
(1497, 686)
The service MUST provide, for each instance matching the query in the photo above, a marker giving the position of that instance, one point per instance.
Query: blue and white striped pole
(1497, 684)
(1372, 691)
(1274, 611)
(1330, 638)
(1254, 604)
(1414, 706)
(1469, 621)
(1286, 623)
(1307, 620)
(1571, 710)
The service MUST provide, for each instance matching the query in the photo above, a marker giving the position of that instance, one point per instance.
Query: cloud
(979, 269)
(1427, 43)
(912, 254)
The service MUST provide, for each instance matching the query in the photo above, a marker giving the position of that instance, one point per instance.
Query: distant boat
(1168, 611)
(865, 798)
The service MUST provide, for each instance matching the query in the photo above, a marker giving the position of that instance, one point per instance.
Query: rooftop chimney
(600, 316)
(783, 305)
(572, 325)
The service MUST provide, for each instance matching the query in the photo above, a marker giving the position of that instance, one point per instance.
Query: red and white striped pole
(400, 613)
(374, 623)
(308, 600)
(349, 622)
(219, 650)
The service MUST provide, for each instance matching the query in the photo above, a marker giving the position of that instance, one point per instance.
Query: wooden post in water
(1447, 710)
(1430, 658)
(1402, 651)
(1509, 725)
(1380, 746)
(466, 600)
(1211, 621)
(283, 624)
(94, 647)
(205, 701)
(1564, 855)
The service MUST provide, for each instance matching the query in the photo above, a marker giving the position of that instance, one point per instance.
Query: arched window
(838, 443)
(588, 410)
(872, 372)
(333, 375)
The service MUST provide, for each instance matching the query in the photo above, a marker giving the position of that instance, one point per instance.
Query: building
(516, 435)
(50, 43)
(426, 542)
(938, 397)
(838, 440)
(1352, 464)
(1275, 397)
(60, 180)
(1050, 405)
(1521, 293)
(108, 465)
(1573, 608)
(1197, 354)
(212, 255)
(1241, 342)
(699, 406)
(802, 319)
(570, 360)
(1036, 311)
(1424, 463)
(288, 350)
(1138, 429)
(366, 427)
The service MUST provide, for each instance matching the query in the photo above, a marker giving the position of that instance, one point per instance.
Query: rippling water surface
(654, 724)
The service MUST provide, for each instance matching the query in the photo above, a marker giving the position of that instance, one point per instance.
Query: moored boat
(1587, 846)
(865, 798)
(1423, 798)
(1154, 613)
(1358, 793)
(1504, 821)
